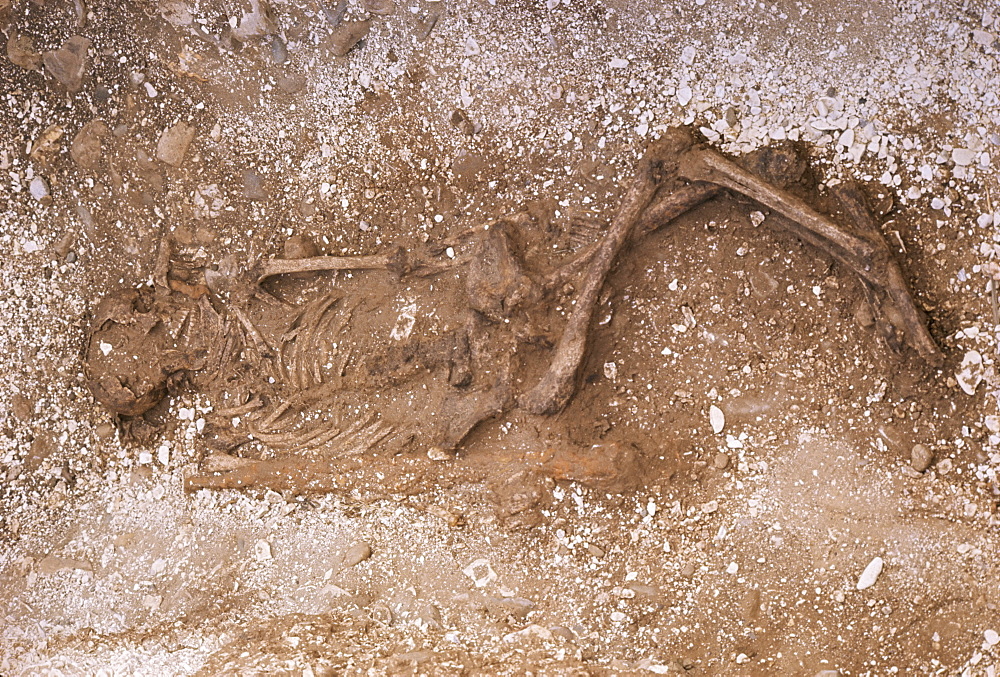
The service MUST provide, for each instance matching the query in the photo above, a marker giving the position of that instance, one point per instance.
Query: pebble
(40, 190)
(253, 186)
(379, 7)
(345, 36)
(21, 52)
(86, 147)
(717, 418)
(68, 64)
(173, 143)
(870, 574)
(864, 315)
(356, 554)
(687, 571)
(963, 156)
(262, 551)
(921, 457)
(279, 50)
(480, 572)
(991, 637)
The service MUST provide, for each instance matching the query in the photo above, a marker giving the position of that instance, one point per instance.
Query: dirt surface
(748, 480)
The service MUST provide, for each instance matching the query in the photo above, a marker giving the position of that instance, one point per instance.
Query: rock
(52, 564)
(717, 419)
(344, 37)
(687, 571)
(68, 64)
(355, 555)
(827, 673)
(562, 632)
(870, 574)
(502, 608)
(481, 572)
(291, 84)
(256, 23)
(721, 460)
(963, 156)
(176, 12)
(39, 189)
(253, 189)
(921, 457)
(864, 316)
(463, 122)
(22, 407)
(262, 551)
(300, 247)
(104, 430)
(64, 244)
(610, 468)
(86, 147)
(971, 374)
(173, 143)
(279, 50)
(750, 604)
(531, 632)
(21, 52)
(379, 7)
(519, 499)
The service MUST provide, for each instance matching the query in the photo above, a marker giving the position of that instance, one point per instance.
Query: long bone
(866, 254)
(557, 385)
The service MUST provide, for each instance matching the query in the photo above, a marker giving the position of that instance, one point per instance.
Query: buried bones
(304, 395)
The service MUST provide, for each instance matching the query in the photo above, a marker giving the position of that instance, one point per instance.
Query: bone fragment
(556, 387)
(866, 254)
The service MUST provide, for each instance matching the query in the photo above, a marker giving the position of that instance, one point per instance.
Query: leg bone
(866, 254)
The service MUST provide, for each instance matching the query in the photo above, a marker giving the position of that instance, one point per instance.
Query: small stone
(379, 7)
(104, 430)
(279, 50)
(562, 632)
(921, 457)
(86, 147)
(68, 63)
(348, 34)
(717, 419)
(21, 52)
(39, 189)
(262, 551)
(991, 637)
(174, 142)
(356, 554)
(710, 507)
(595, 550)
(54, 563)
(253, 186)
(480, 572)
(687, 571)
(963, 156)
(827, 673)
(864, 315)
(291, 84)
(256, 23)
(870, 574)
(684, 96)
(619, 63)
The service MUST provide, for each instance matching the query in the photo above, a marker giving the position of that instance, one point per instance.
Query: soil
(329, 473)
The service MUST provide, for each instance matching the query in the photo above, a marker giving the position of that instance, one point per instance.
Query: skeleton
(293, 386)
